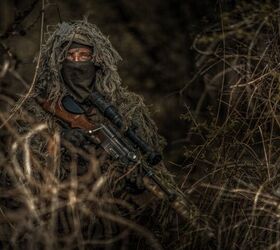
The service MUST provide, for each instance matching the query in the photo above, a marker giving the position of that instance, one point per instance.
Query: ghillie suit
(108, 82)
(82, 206)
(67, 194)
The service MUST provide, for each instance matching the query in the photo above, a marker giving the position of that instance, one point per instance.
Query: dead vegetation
(232, 153)
(236, 143)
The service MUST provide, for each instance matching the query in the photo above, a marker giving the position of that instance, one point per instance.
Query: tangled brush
(236, 142)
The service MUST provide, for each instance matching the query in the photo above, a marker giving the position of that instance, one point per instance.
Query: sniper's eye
(79, 54)
(85, 56)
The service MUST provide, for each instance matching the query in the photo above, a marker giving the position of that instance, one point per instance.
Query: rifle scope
(111, 113)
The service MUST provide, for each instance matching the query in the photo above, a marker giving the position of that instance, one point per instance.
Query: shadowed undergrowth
(235, 144)
(232, 155)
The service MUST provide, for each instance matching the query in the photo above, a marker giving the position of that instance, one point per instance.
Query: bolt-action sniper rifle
(124, 150)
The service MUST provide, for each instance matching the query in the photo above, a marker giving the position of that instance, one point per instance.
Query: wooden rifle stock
(74, 120)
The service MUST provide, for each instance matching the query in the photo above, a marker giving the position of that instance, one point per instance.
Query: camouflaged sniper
(108, 82)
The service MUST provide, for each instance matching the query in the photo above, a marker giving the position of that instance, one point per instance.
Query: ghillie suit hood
(108, 82)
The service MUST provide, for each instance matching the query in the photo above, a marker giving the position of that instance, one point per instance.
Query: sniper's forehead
(82, 49)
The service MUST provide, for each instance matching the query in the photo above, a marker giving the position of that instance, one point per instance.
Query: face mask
(79, 78)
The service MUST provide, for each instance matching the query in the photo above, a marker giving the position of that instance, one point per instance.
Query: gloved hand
(80, 140)
(77, 137)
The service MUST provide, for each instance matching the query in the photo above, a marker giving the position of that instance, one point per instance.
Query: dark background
(153, 37)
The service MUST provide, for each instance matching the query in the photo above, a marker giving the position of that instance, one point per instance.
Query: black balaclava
(79, 77)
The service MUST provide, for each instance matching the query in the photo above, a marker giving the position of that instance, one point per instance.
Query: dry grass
(39, 209)
(235, 144)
